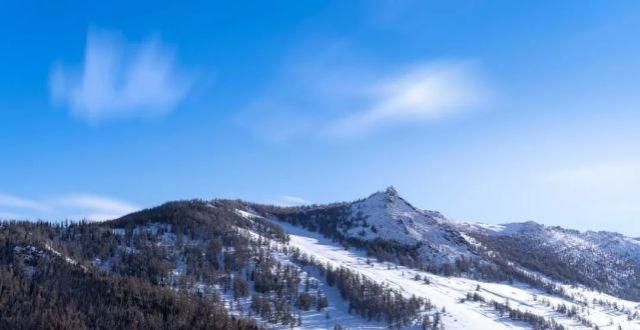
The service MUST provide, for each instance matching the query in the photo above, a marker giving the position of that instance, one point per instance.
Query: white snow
(387, 216)
(458, 316)
(246, 214)
(447, 291)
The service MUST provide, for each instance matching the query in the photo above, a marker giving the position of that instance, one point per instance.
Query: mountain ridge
(601, 259)
(375, 262)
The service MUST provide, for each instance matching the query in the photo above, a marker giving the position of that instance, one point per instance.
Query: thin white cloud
(97, 207)
(119, 80)
(11, 201)
(333, 95)
(290, 200)
(425, 92)
(70, 207)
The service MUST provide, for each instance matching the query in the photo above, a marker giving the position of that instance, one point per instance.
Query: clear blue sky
(492, 111)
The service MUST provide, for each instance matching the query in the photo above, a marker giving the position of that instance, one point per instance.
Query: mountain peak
(389, 195)
(391, 191)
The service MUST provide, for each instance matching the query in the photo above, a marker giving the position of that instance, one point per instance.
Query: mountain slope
(473, 304)
(373, 263)
(389, 228)
(43, 288)
(384, 224)
(601, 260)
(387, 216)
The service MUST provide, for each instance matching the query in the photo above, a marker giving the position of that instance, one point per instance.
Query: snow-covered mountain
(567, 264)
(373, 263)
(386, 216)
(601, 260)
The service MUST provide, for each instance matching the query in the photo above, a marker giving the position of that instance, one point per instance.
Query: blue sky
(492, 111)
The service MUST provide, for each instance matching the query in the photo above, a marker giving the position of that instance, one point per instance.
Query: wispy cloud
(333, 95)
(423, 92)
(70, 207)
(290, 200)
(120, 79)
(95, 207)
(12, 201)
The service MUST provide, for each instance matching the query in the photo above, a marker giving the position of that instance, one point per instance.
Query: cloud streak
(120, 80)
(11, 201)
(424, 92)
(70, 207)
(340, 96)
(97, 207)
(290, 200)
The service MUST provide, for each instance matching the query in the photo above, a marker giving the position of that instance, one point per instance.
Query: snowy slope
(390, 217)
(604, 260)
(448, 292)
(385, 216)
(479, 276)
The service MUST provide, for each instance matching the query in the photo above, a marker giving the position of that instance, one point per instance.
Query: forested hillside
(191, 264)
